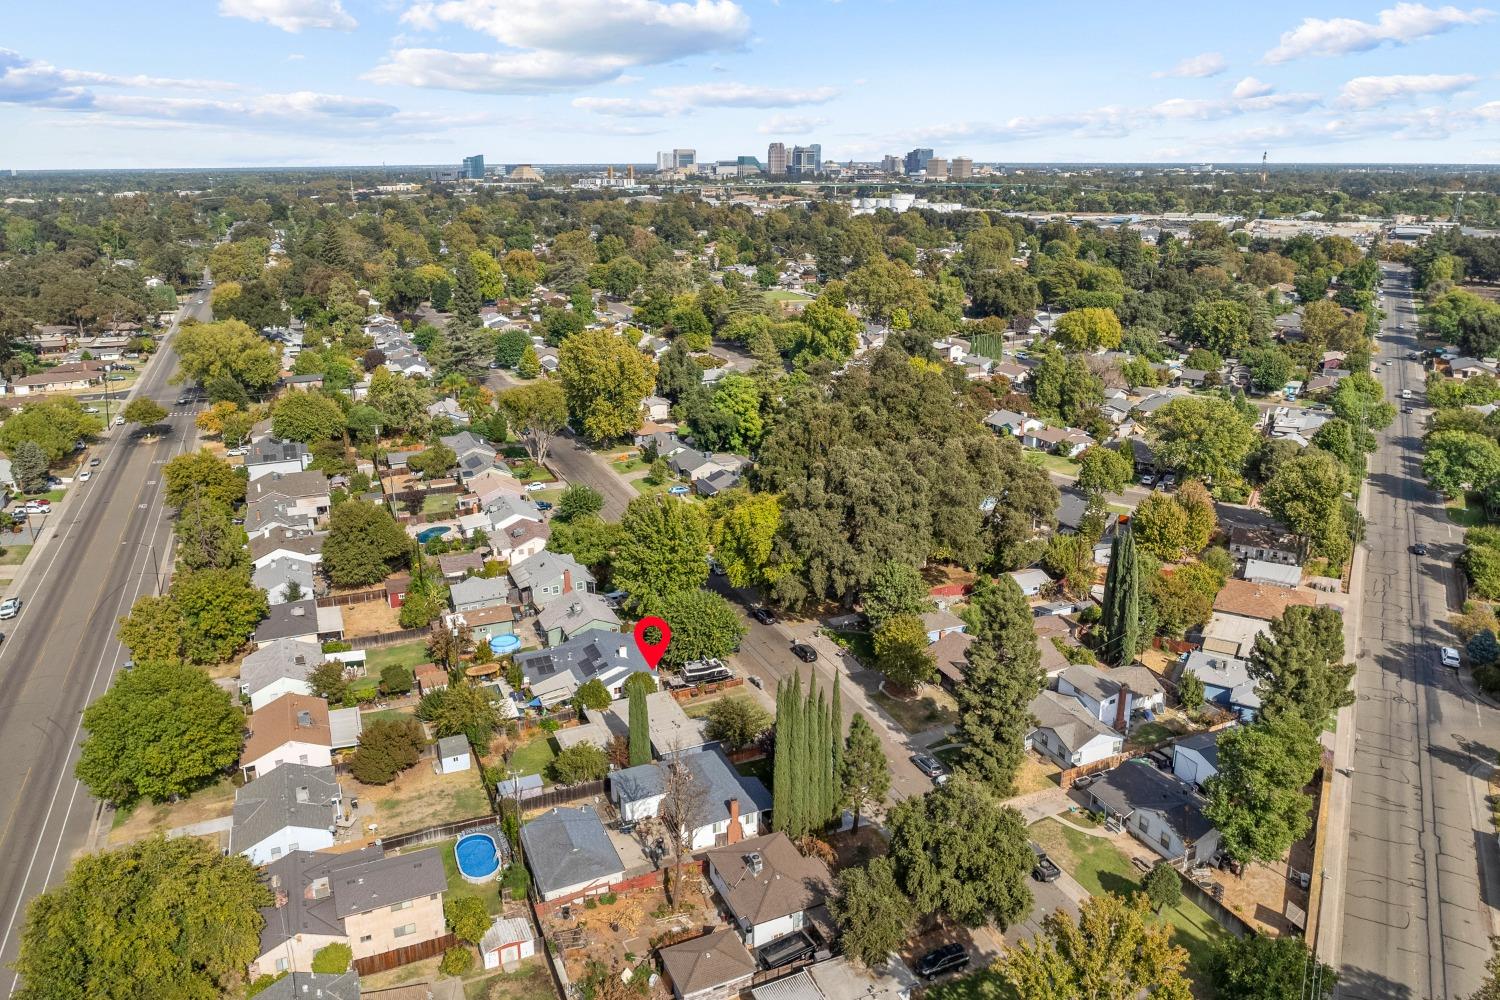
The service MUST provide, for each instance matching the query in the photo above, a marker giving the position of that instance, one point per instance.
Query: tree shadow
(1365, 984)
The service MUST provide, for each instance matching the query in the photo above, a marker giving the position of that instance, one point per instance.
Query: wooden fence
(387, 960)
(561, 795)
(1227, 918)
(433, 834)
(358, 597)
(388, 638)
(704, 690)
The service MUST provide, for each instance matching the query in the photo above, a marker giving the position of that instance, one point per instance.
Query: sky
(222, 83)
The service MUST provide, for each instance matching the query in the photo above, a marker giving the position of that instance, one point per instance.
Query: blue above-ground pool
(477, 856)
(502, 644)
(428, 534)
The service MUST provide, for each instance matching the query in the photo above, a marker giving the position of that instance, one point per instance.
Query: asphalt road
(1416, 918)
(110, 546)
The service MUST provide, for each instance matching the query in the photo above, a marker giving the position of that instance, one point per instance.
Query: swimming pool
(477, 856)
(428, 534)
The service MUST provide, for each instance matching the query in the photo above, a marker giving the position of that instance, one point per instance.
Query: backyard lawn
(1100, 866)
(439, 503)
(533, 757)
(408, 654)
(530, 982)
(1151, 733)
(146, 819)
(761, 769)
(365, 686)
(420, 798)
(786, 295)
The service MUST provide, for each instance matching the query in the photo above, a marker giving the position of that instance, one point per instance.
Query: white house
(1069, 734)
(1159, 810)
(768, 886)
(1195, 758)
(453, 755)
(296, 729)
(1031, 581)
(508, 941)
(268, 455)
(727, 807)
(1112, 695)
(293, 808)
(278, 668)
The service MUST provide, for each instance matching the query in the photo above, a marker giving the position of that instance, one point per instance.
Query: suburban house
(475, 455)
(1112, 695)
(1272, 574)
(300, 620)
(454, 566)
(487, 622)
(287, 543)
(1069, 733)
(1195, 758)
(669, 728)
(547, 576)
(1067, 441)
(1159, 810)
(554, 674)
(448, 409)
(940, 623)
(520, 541)
(716, 966)
(657, 408)
(296, 729)
(950, 653)
(314, 986)
(570, 854)
(726, 808)
(277, 515)
(284, 579)
(295, 807)
(1257, 601)
(1031, 581)
(1226, 682)
(1266, 545)
(279, 667)
(307, 492)
(270, 455)
(497, 482)
(768, 887)
(562, 620)
(71, 377)
(366, 900)
(477, 592)
(498, 515)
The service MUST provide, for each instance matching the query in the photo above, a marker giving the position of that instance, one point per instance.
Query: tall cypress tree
(824, 750)
(1122, 599)
(1003, 675)
(781, 780)
(640, 727)
(797, 738)
(837, 715)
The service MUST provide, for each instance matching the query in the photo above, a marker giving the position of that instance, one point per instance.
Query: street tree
(1257, 967)
(509, 347)
(864, 770)
(220, 609)
(1298, 665)
(1203, 437)
(1002, 675)
(663, 550)
(901, 651)
(874, 916)
(1090, 329)
(1105, 470)
(161, 730)
(895, 589)
(538, 411)
(604, 377)
(735, 722)
(180, 908)
(207, 538)
(199, 474)
(578, 501)
(1258, 800)
(28, 466)
(306, 417)
(143, 411)
(743, 533)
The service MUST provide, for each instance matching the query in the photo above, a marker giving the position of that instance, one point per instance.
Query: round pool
(428, 534)
(477, 856)
(501, 644)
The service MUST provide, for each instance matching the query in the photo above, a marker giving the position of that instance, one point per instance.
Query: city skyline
(324, 82)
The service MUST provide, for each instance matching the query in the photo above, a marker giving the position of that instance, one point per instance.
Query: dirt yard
(370, 618)
(621, 933)
(148, 819)
(1036, 774)
(418, 798)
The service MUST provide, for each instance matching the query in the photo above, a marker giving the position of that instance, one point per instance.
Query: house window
(405, 930)
(403, 905)
(282, 965)
(366, 938)
(1140, 822)
(1166, 840)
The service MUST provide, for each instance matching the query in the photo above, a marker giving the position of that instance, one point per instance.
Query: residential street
(109, 546)
(1417, 891)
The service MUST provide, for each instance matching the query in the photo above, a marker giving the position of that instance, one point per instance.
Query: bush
(395, 679)
(457, 961)
(386, 748)
(333, 959)
(262, 983)
(467, 918)
(1488, 679)
(1483, 649)
(584, 762)
(609, 899)
(517, 881)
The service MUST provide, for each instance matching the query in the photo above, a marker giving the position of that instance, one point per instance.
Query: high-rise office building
(474, 167)
(684, 159)
(664, 161)
(806, 160)
(890, 165)
(916, 160)
(961, 169)
(776, 159)
(937, 169)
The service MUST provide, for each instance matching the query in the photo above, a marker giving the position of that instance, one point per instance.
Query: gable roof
(580, 609)
(1263, 601)
(281, 658)
(293, 618)
(270, 449)
(314, 986)
(292, 795)
(287, 484)
(291, 717)
(388, 880)
(1205, 744)
(1101, 684)
(712, 776)
(788, 882)
(584, 657)
(301, 542)
(274, 511)
(1137, 784)
(1065, 716)
(480, 589)
(316, 890)
(547, 566)
(950, 652)
(569, 846)
(1228, 672)
(716, 959)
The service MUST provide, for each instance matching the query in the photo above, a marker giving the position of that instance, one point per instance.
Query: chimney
(567, 581)
(1122, 708)
(734, 821)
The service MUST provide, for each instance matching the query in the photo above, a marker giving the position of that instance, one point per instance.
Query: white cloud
(1372, 91)
(291, 15)
(790, 125)
(493, 72)
(1205, 64)
(637, 31)
(1251, 87)
(1399, 25)
(624, 107)
(742, 95)
(31, 81)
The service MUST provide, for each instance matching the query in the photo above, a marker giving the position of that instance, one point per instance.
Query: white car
(535, 487)
(119, 421)
(1449, 655)
(85, 476)
(1406, 394)
(10, 607)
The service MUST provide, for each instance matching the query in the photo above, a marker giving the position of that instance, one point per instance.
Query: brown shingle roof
(291, 717)
(788, 883)
(1252, 600)
(715, 959)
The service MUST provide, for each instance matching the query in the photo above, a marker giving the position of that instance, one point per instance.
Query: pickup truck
(1045, 869)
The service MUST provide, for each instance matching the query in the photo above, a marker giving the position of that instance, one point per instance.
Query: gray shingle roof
(582, 657)
(546, 567)
(711, 773)
(452, 746)
(314, 986)
(788, 882)
(292, 795)
(388, 881)
(284, 620)
(1206, 744)
(480, 590)
(1137, 784)
(578, 610)
(716, 959)
(271, 449)
(1065, 716)
(287, 484)
(569, 846)
(294, 658)
(303, 542)
(262, 514)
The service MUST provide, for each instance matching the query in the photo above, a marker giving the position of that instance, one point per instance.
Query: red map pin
(652, 651)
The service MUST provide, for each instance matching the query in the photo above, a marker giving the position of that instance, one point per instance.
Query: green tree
(604, 377)
(1307, 495)
(1163, 886)
(864, 771)
(704, 626)
(743, 533)
(530, 365)
(578, 763)
(327, 682)
(28, 465)
(56, 425)
(1190, 691)
(333, 959)
(736, 722)
(895, 589)
(1160, 525)
(178, 907)
(901, 651)
(578, 501)
(1114, 951)
(1002, 676)
(1257, 800)
(958, 852)
(538, 411)
(1456, 461)
(306, 417)
(1203, 437)
(1297, 664)
(434, 461)
(874, 916)
(1256, 967)
(1090, 329)
(663, 550)
(510, 346)
(1105, 470)
(589, 540)
(592, 695)
(207, 538)
(1221, 325)
(198, 474)
(161, 730)
(1121, 616)
(395, 678)
(153, 631)
(640, 728)
(456, 961)
(364, 543)
(467, 918)
(220, 609)
(460, 710)
(143, 411)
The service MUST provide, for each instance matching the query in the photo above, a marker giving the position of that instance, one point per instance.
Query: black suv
(763, 615)
(804, 652)
(948, 958)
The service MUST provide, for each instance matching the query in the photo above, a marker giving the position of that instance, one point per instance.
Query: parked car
(535, 487)
(94, 462)
(1084, 780)
(119, 421)
(679, 490)
(10, 607)
(1148, 480)
(1450, 656)
(1406, 394)
(114, 378)
(932, 767)
(1045, 869)
(1419, 549)
(948, 958)
(1169, 480)
(544, 505)
(804, 652)
(763, 615)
